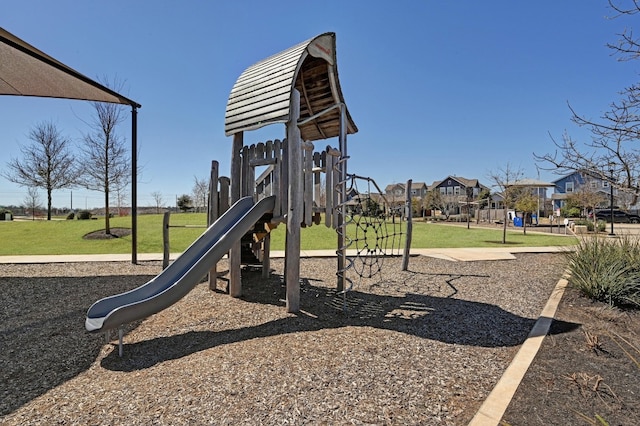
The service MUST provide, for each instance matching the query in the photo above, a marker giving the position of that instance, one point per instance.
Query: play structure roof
(27, 71)
(262, 93)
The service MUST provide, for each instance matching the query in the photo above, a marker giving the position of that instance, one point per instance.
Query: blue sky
(436, 88)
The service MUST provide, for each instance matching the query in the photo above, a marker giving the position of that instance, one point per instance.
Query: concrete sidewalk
(452, 254)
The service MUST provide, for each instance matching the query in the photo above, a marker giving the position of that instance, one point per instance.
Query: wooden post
(225, 184)
(235, 283)
(278, 210)
(294, 212)
(307, 192)
(244, 191)
(165, 240)
(266, 253)
(341, 181)
(329, 191)
(213, 216)
(407, 240)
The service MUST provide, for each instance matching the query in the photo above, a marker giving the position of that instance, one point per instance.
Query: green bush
(607, 270)
(84, 215)
(570, 212)
(71, 216)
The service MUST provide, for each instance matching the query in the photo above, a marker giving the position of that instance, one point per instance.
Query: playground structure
(298, 87)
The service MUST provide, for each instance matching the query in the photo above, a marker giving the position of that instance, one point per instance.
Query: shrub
(84, 215)
(71, 216)
(570, 212)
(607, 270)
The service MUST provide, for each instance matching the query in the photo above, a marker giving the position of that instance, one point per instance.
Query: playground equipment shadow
(362, 310)
(396, 313)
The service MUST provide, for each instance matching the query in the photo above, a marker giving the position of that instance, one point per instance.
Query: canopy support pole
(134, 184)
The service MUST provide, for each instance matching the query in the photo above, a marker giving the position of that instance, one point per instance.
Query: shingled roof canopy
(262, 93)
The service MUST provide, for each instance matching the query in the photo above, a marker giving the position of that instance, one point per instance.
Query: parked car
(619, 216)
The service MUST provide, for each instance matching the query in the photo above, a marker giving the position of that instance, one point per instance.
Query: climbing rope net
(373, 228)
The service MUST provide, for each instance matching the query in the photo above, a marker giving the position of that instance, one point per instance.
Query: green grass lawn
(65, 236)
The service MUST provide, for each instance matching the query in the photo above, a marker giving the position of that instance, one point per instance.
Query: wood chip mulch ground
(584, 374)
(424, 346)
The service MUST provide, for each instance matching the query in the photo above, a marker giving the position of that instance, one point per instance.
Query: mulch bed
(581, 372)
(424, 346)
(102, 235)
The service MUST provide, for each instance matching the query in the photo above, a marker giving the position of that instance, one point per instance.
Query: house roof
(262, 93)
(27, 71)
(578, 174)
(463, 181)
(414, 185)
(533, 183)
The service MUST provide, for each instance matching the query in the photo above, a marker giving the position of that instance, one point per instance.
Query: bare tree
(122, 197)
(446, 203)
(615, 134)
(503, 180)
(157, 198)
(46, 163)
(106, 164)
(200, 193)
(32, 201)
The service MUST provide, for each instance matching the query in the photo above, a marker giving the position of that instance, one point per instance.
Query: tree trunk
(504, 227)
(107, 227)
(48, 204)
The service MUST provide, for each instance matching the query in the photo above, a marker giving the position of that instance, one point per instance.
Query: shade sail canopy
(262, 93)
(27, 71)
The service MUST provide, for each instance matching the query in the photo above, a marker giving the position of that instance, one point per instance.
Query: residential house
(454, 191)
(575, 182)
(396, 195)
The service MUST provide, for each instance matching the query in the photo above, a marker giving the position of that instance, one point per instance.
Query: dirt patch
(585, 373)
(102, 235)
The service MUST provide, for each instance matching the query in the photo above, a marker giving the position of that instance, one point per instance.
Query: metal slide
(183, 274)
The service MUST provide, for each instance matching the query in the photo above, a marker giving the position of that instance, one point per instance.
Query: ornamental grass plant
(607, 269)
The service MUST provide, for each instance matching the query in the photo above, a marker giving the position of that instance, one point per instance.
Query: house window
(605, 184)
(456, 190)
(449, 190)
(568, 187)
